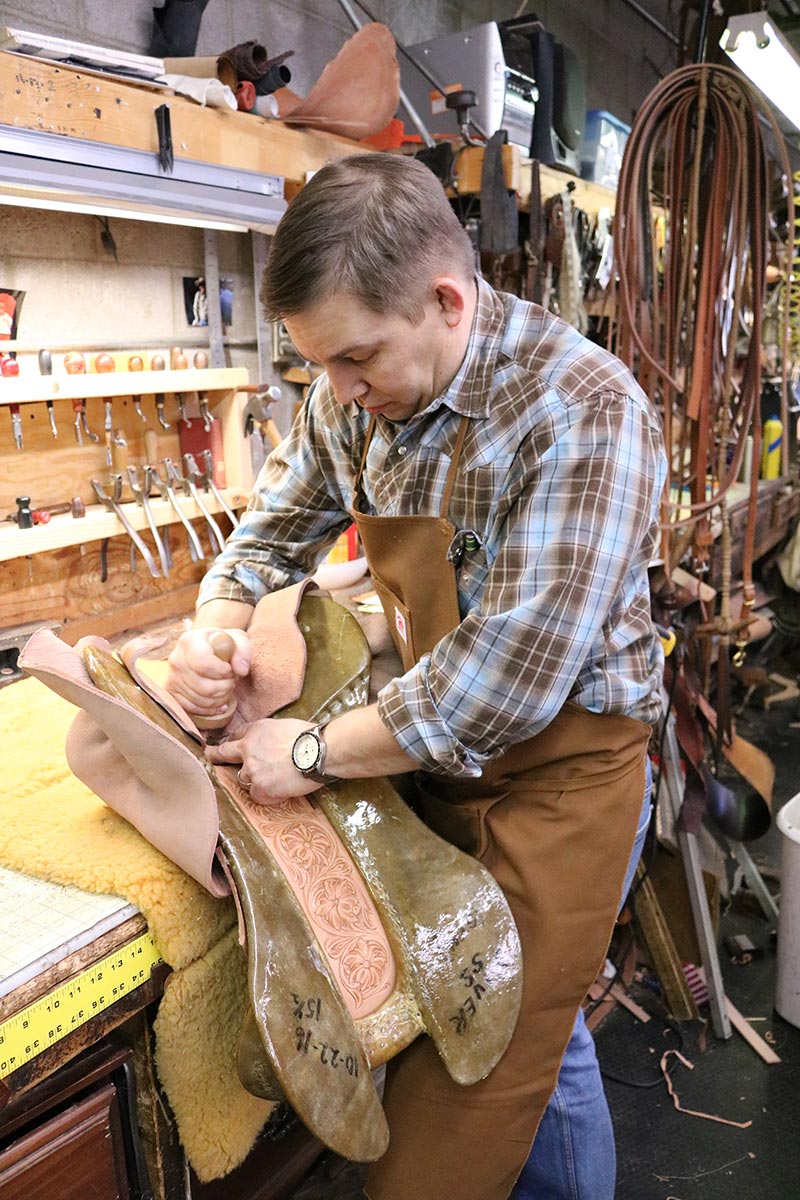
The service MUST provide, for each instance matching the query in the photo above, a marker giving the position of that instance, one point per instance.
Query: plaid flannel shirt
(560, 477)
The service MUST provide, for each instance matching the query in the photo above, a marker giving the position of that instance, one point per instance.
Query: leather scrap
(357, 93)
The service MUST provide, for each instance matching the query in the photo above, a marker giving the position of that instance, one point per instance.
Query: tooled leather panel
(332, 896)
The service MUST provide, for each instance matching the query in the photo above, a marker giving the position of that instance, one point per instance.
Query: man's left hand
(263, 751)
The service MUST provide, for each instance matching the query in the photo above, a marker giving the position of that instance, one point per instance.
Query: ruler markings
(71, 1004)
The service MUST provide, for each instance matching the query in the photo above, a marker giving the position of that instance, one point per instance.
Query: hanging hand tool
(112, 503)
(116, 442)
(200, 360)
(165, 486)
(257, 413)
(188, 481)
(79, 408)
(179, 362)
(157, 362)
(208, 418)
(136, 363)
(160, 402)
(207, 479)
(215, 537)
(8, 366)
(141, 493)
(75, 364)
(16, 424)
(46, 368)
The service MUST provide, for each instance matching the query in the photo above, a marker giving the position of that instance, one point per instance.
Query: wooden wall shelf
(68, 101)
(32, 389)
(63, 530)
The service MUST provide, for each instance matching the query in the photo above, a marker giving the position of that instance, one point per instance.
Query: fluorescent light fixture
(758, 48)
(44, 170)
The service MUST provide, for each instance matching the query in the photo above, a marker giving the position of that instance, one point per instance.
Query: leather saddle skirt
(362, 928)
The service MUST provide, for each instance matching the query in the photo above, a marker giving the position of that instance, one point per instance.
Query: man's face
(382, 361)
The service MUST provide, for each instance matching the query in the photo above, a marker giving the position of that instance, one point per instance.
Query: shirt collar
(469, 393)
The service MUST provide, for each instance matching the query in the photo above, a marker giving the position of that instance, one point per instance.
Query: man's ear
(452, 298)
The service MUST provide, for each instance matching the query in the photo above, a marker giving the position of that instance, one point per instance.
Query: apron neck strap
(363, 463)
(451, 474)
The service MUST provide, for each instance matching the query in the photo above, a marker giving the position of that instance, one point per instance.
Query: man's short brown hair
(377, 227)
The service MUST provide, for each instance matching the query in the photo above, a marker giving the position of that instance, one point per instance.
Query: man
(504, 474)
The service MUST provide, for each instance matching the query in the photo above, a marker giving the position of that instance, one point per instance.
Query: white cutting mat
(41, 923)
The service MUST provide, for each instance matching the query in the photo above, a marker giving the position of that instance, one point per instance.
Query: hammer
(44, 512)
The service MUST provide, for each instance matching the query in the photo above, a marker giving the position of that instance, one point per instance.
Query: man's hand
(263, 751)
(201, 681)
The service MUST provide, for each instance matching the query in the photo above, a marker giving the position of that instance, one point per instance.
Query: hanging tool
(176, 479)
(207, 479)
(79, 408)
(46, 368)
(8, 366)
(160, 402)
(157, 362)
(141, 494)
(136, 363)
(165, 486)
(179, 362)
(200, 360)
(112, 503)
(208, 417)
(193, 474)
(74, 363)
(257, 413)
(16, 424)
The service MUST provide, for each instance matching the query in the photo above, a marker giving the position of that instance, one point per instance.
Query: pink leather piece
(279, 655)
(135, 767)
(359, 90)
(130, 653)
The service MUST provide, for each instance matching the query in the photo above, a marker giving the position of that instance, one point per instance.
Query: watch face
(305, 752)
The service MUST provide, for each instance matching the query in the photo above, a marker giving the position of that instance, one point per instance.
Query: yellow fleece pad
(53, 827)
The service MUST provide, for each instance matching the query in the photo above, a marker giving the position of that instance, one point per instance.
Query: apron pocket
(462, 825)
(398, 618)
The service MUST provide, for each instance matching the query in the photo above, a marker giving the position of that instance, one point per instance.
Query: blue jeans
(573, 1155)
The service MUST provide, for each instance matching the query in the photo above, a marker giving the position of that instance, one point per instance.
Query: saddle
(362, 928)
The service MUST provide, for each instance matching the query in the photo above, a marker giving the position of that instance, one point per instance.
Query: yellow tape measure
(73, 1003)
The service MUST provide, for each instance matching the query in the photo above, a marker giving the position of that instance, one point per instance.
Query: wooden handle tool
(224, 647)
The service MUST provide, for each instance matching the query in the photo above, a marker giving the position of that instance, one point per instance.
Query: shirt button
(401, 450)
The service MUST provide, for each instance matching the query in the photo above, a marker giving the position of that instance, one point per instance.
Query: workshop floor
(664, 1154)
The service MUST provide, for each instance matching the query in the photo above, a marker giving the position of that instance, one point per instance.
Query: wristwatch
(308, 754)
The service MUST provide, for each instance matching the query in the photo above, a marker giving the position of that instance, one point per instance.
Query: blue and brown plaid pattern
(560, 477)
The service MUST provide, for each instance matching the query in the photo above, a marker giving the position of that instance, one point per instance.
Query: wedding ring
(244, 784)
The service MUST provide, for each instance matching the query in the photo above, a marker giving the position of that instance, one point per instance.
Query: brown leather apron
(554, 819)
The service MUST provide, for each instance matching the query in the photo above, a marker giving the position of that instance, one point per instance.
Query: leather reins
(680, 319)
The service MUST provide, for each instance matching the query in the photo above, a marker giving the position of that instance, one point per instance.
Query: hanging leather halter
(697, 141)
